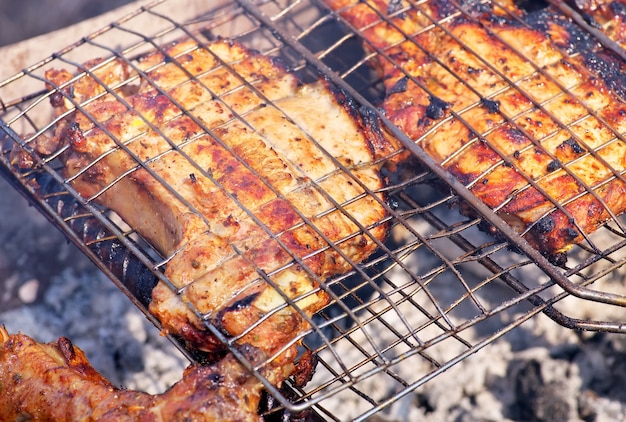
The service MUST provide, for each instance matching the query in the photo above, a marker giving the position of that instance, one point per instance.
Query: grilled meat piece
(251, 213)
(524, 108)
(55, 382)
(607, 15)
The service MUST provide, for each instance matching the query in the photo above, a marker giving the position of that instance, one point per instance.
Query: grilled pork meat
(524, 108)
(55, 382)
(251, 214)
(607, 15)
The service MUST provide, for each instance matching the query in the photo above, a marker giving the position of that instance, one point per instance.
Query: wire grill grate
(437, 290)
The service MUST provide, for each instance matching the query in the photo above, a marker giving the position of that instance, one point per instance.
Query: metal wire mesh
(439, 288)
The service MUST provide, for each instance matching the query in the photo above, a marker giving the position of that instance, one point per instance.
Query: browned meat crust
(523, 108)
(249, 214)
(55, 382)
(607, 15)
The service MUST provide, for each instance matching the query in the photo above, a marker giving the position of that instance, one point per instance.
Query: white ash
(578, 380)
(27, 293)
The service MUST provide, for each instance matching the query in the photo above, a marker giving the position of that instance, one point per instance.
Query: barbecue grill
(439, 280)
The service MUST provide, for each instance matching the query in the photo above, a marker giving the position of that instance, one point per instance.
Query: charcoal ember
(536, 399)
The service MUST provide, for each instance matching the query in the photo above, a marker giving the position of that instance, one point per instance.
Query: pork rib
(523, 108)
(249, 213)
(56, 382)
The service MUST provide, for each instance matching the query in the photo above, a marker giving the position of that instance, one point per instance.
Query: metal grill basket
(437, 291)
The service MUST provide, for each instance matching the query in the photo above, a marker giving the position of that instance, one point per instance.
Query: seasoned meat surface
(56, 382)
(254, 187)
(524, 108)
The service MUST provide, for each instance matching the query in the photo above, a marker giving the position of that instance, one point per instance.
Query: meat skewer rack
(439, 290)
